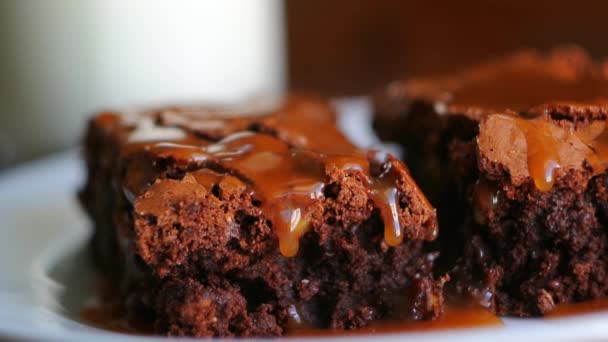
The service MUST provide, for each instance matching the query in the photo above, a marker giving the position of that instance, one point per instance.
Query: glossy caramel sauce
(107, 311)
(207, 178)
(383, 191)
(453, 318)
(289, 181)
(115, 319)
(542, 153)
(599, 144)
(485, 198)
(284, 165)
(308, 125)
(590, 306)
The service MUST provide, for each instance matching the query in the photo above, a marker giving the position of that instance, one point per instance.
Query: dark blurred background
(342, 47)
(63, 60)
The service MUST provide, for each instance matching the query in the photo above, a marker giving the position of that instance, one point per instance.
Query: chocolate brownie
(513, 153)
(244, 221)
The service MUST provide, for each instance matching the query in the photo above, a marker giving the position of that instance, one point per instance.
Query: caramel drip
(600, 146)
(207, 178)
(386, 197)
(543, 156)
(542, 148)
(381, 190)
(485, 199)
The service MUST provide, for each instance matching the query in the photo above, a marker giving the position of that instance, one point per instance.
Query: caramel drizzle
(543, 148)
(383, 191)
(543, 157)
(287, 180)
(485, 199)
(600, 146)
(286, 172)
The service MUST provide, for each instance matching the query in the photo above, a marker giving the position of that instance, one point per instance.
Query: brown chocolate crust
(192, 243)
(521, 250)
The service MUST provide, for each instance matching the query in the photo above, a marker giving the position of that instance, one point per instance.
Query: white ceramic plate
(45, 277)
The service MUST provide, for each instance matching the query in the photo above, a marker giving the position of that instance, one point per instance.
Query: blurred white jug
(62, 60)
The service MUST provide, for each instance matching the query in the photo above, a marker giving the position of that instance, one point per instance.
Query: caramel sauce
(381, 189)
(343, 162)
(289, 181)
(485, 198)
(600, 146)
(207, 178)
(107, 311)
(542, 144)
(383, 192)
(287, 172)
(453, 318)
(309, 125)
(590, 306)
(114, 318)
(543, 158)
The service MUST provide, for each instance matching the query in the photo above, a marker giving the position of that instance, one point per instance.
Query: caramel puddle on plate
(106, 310)
(453, 318)
(586, 307)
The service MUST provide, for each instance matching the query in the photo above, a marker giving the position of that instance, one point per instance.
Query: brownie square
(513, 155)
(245, 221)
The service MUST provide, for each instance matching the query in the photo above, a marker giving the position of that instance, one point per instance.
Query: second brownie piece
(514, 154)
